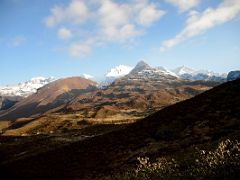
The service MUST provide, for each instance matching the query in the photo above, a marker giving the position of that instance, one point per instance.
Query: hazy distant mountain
(26, 88)
(233, 75)
(183, 70)
(187, 73)
(167, 71)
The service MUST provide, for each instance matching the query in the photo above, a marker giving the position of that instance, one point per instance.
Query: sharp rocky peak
(141, 65)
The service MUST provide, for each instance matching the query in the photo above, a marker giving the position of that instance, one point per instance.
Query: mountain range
(183, 138)
(26, 88)
(11, 94)
(29, 87)
(64, 103)
(148, 123)
(196, 75)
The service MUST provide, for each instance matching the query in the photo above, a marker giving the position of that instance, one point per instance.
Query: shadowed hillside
(200, 121)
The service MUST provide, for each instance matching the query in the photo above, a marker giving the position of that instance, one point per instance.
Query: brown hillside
(48, 97)
(203, 119)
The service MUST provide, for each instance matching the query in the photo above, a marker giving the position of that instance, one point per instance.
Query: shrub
(223, 163)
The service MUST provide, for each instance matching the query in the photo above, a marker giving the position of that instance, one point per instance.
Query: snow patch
(27, 88)
(87, 76)
(119, 71)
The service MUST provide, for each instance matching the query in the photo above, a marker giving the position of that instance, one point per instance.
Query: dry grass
(222, 162)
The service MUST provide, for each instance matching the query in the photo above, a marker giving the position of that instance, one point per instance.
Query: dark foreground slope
(202, 120)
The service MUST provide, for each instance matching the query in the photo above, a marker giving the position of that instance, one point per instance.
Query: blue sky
(63, 38)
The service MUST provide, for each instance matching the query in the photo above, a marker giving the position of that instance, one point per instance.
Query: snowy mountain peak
(187, 73)
(183, 70)
(40, 78)
(87, 76)
(25, 88)
(233, 75)
(141, 65)
(166, 71)
(114, 73)
(118, 71)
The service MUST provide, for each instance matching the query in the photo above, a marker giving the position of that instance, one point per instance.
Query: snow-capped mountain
(114, 73)
(187, 73)
(166, 71)
(142, 71)
(183, 70)
(119, 71)
(25, 89)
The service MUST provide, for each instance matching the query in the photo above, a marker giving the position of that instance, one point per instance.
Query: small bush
(223, 163)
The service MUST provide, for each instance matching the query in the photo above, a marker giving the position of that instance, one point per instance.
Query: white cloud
(75, 13)
(105, 21)
(113, 14)
(114, 21)
(64, 33)
(121, 34)
(79, 50)
(17, 41)
(122, 21)
(184, 5)
(198, 23)
(141, 12)
(149, 14)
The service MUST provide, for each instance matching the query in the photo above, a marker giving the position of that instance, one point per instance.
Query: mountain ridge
(26, 88)
(48, 97)
(129, 98)
(30, 87)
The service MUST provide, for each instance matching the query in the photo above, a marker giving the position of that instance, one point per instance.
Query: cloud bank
(102, 21)
(184, 5)
(199, 22)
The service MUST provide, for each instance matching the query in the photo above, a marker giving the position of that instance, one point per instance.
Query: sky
(63, 38)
